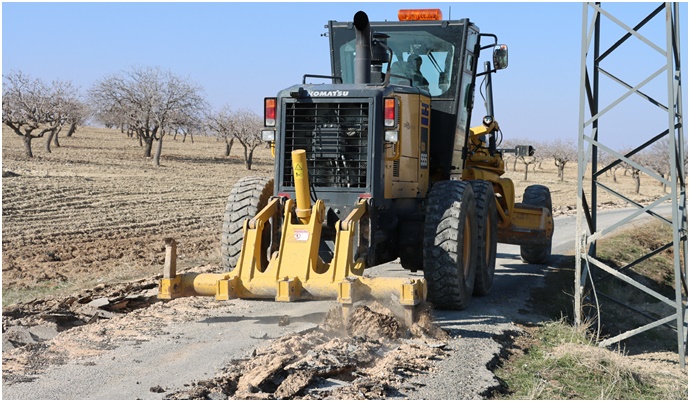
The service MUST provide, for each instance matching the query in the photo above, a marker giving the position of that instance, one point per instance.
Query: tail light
(269, 112)
(390, 112)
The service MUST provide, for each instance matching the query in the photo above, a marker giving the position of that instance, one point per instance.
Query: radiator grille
(335, 138)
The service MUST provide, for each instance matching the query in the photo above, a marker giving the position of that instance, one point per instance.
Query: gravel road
(176, 347)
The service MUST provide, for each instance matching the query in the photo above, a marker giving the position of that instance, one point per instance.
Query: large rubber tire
(450, 242)
(538, 196)
(247, 197)
(487, 236)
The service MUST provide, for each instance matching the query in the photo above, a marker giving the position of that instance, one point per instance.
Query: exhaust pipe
(362, 48)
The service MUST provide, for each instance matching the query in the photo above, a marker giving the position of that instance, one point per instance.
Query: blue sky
(241, 52)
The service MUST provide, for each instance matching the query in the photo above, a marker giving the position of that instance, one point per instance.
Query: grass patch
(555, 360)
(626, 246)
(619, 250)
(562, 363)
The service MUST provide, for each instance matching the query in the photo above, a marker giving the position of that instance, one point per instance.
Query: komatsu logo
(328, 93)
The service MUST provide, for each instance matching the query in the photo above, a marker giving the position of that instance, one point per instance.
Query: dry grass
(562, 363)
(564, 193)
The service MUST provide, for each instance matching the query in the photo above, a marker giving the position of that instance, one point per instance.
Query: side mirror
(500, 57)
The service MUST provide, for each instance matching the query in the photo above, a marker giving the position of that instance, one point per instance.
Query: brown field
(96, 211)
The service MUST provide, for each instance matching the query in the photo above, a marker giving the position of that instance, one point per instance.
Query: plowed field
(95, 210)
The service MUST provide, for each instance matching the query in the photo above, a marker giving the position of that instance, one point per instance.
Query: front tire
(487, 236)
(450, 240)
(247, 197)
(538, 196)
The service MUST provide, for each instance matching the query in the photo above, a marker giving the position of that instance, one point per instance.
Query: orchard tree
(31, 108)
(605, 159)
(241, 125)
(640, 158)
(562, 152)
(149, 101)
(527, 160)
(222, 124)
(658, 159)
(69, 111)
(76, 117)
(247, 130)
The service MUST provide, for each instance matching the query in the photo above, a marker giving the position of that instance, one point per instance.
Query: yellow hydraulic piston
(296, 270)
(301, 174)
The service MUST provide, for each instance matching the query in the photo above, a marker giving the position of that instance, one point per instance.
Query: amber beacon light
(427, 14)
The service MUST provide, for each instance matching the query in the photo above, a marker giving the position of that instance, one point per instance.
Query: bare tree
(247, 130)
(658, 159)
(28, 108)
(562, 152)
(68, 110)
(222, 124)
(639, 158)
(527, 161)
(76, 117)
(150, 101)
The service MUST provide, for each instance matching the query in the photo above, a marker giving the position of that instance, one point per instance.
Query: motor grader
(385, 151)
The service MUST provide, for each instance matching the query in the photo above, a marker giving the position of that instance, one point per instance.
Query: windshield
(424, 57)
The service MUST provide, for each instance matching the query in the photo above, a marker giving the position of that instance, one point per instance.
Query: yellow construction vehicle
(386, 153)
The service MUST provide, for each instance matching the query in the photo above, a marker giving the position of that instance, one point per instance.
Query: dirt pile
(372, 357)
(35, 334)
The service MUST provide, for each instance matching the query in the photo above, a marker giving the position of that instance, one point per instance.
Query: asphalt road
(196, 350)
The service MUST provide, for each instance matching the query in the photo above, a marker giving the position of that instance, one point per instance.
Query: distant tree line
(562, 152)
(146, 103)
(149, 103)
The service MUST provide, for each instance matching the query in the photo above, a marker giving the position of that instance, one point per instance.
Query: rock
(9, 173)
(6, 344)
(284, 320)
(293, 384)
(18, 336)
(44, 332)
(217, 396)
(100, 302)
(157, 389)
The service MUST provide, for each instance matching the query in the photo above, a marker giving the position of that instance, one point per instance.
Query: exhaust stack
(362, 48)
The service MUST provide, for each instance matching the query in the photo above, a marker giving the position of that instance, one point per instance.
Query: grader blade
(296, 271)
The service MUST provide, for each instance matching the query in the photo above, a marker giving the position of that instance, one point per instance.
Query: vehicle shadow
(511, 301)
(313, 318)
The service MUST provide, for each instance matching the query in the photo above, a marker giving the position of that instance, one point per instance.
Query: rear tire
(487, 236)
(537, 196)
(450, 242)
(247, 197)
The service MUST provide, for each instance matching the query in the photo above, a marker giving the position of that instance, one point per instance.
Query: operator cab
(448, 51)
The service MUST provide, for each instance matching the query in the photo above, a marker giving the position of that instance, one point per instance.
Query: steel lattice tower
(598, 137)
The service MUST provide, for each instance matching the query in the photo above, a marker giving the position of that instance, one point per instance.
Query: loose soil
(369, 358)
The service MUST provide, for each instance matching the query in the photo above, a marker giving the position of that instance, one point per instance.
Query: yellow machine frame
(518, 223)
(296, 271)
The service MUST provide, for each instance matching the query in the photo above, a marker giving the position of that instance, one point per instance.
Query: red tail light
(270, 112)
(390, 112)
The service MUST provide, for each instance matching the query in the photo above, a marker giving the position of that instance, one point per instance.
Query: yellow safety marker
(301, 174)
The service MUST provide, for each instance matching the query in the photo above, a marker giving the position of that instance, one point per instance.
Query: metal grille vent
(335, 138)
(396, 168)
